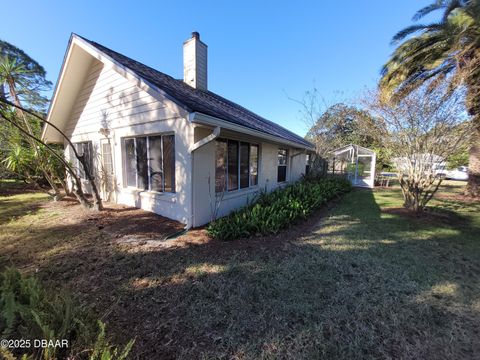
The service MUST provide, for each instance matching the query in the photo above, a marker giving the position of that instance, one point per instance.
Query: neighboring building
(165, 145)
(423, 162)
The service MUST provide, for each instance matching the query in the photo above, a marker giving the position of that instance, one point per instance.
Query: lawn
(362, 280)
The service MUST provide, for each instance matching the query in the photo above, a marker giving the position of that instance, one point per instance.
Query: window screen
(282, 165)
(142, 164)
(232, 165)
(244, 164)
(169, 162)
(84, 149)
(155, 161)
(220, 165)
(130, 163)
(253, 165)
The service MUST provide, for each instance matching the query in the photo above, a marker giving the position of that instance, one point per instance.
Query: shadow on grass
(363, 284)
(12, 208)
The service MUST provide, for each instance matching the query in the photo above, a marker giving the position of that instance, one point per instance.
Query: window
(107, 166)
(142, 163)
(130, 163)
(282, 165)
(308, 164)
(253, 165)
(149, 163)
(156, 160)
(169, 163)
(220, 165)
(236, 165)
(244, 165)
(232, 161)
(86, 149)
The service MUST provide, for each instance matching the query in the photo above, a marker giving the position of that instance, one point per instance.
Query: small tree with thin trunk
(422, 129)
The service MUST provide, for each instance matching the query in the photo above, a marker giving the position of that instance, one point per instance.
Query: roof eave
(201, 118)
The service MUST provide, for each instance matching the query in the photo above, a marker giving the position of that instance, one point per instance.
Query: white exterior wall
(205, 198)
(109, 100)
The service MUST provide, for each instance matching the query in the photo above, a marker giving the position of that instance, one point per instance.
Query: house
(166, 145)
(423, 162)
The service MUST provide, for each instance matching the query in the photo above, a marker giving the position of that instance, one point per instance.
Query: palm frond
(402, 34)
(450, 7)
(428, 9)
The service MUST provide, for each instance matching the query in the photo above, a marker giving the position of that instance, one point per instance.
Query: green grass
(367, 282)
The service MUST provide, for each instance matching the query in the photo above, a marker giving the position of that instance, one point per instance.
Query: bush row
(274, 211)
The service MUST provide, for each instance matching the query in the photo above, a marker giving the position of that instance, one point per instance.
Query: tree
(34, 80)
(342, 124)
(23, 81)
(458, 158)
(447, 50)
(5, 114)
(423, 129)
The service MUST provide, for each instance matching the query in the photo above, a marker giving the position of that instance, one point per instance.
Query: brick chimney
(195, 62)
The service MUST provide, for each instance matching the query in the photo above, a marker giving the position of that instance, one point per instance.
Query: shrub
(274, 211)
(28, 311)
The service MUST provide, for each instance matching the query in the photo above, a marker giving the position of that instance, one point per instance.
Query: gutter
(200, 118)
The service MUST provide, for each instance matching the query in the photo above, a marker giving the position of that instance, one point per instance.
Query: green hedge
(278, 209)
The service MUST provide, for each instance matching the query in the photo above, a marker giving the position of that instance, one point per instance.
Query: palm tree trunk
(473, 185)
(473, 106)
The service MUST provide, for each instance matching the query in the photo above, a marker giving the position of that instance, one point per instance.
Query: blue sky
(259, 51)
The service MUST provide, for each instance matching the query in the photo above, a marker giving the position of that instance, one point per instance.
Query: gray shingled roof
(202, 101)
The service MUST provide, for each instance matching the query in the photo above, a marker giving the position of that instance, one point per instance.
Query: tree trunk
(472, 101)
(473, 185)
(412, 195)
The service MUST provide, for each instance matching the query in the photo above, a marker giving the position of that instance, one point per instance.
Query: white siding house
(165, 145)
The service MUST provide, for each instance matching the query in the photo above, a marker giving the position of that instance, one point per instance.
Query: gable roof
(202, 101)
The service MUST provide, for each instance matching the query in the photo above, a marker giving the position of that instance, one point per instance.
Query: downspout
(215, 134)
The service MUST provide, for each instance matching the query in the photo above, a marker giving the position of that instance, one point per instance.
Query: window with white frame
(149, 162)
(84, 149)
(236, 165)
(282, 165)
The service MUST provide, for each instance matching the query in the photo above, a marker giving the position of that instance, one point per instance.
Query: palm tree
(22, 82)
(447, 50)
